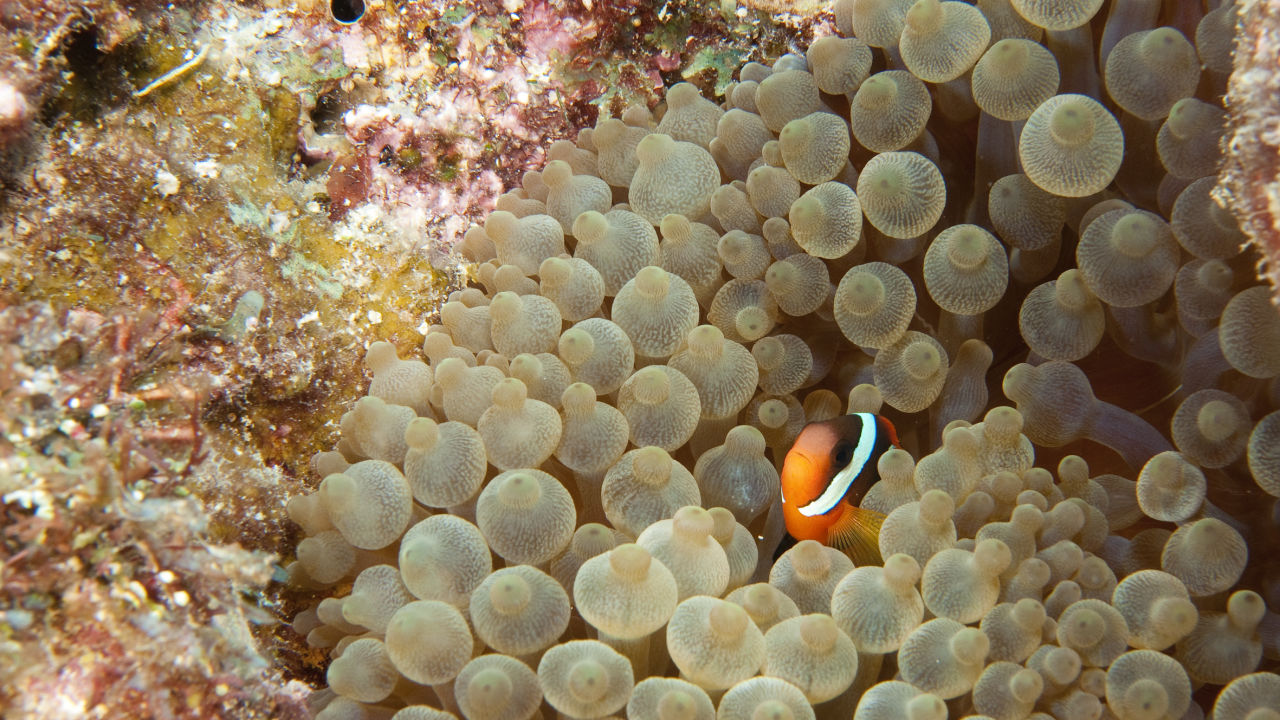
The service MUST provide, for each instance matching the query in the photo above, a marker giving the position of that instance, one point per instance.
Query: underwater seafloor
(209, 209)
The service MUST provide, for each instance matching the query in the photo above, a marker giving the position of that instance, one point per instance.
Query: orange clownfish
(825, 475)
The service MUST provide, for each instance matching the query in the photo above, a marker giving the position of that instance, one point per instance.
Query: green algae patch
(722, 62)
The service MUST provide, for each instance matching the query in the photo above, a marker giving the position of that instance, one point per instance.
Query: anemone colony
(566, 504)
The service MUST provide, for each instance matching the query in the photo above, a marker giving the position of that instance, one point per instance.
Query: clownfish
(825, 475)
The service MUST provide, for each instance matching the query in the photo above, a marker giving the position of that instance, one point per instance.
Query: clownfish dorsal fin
(890, 431)
(857, 534)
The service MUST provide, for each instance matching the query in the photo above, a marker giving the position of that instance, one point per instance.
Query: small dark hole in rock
(386, 156)
(347, 11)
(82, 94)
(82, 53)
(96, 79)
(327, 114)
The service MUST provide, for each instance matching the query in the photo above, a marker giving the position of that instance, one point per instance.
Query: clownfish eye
(843, 454)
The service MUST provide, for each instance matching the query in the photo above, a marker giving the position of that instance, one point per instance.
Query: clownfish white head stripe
(840, 483)
(829, 468)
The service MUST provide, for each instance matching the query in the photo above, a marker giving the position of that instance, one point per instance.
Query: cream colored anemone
(1071, 146)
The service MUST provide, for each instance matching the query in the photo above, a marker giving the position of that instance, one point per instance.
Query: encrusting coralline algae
(669, 301)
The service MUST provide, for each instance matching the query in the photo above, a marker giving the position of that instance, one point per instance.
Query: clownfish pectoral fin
(857, 534)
